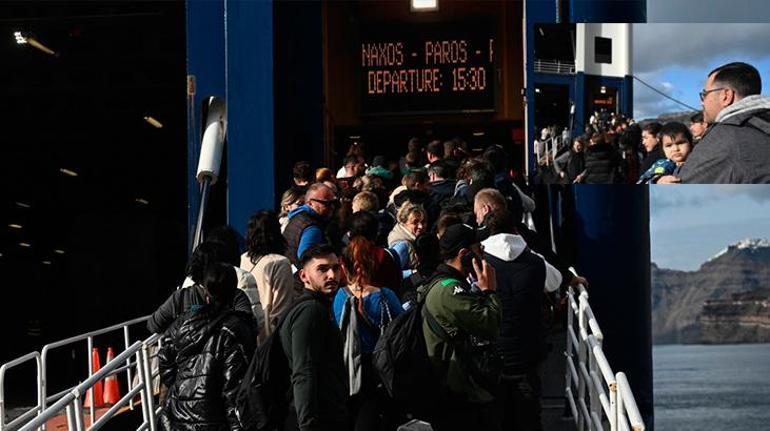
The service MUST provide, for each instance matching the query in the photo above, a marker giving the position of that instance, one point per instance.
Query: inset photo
(710, 271)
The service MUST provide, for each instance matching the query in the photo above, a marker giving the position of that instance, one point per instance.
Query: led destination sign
(427, 68)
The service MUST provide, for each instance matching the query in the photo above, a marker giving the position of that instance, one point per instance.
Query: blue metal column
(206, 68)
(230, 54)
(250, 135)
(614, 254)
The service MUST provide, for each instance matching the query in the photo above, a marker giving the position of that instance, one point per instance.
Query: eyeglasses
(703, 93)
(325, 202)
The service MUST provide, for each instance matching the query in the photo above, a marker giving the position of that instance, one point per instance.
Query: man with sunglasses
(736, 146)
(307, 223)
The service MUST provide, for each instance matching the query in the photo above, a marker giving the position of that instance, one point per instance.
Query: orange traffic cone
(111, 386)
(97, 388)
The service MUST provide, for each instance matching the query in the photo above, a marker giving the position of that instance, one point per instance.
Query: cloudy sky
(685, 39)
(691, 223)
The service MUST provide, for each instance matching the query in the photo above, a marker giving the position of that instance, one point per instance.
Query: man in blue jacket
(308, 222)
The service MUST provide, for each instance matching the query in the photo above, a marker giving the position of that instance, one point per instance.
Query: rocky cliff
(727, 300)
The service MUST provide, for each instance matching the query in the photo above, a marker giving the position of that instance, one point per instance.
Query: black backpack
(263, 395)
(401, 361)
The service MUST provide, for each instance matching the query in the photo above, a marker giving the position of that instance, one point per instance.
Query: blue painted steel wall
(250, 159)
(230, 53)
(614, 254)
(206, 62)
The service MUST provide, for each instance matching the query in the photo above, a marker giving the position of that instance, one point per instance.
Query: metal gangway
(598, 398)
(134, 362)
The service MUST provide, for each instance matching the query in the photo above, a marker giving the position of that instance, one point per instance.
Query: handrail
(89, 337)
(73, 397)
(39, 407)
(594, 393)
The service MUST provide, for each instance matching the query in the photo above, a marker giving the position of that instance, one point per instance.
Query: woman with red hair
(363, 310)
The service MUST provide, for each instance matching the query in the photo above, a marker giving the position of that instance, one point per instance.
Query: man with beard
(313, 347)
(736, 147)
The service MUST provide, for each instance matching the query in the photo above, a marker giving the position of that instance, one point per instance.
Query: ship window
(603, 50)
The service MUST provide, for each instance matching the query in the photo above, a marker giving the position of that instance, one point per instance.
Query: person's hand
(576, 279)
(486, 275)
(669, 179)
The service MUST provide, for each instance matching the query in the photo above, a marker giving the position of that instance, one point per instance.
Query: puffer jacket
(182, 300)
(202, 362)
(601, 164)
(735, 149)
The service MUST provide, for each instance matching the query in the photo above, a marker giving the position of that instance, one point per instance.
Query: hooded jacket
(182, 300)
(202, 363)
(522, 277)
(736, 148)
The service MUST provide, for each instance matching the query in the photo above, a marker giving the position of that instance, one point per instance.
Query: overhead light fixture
(424, 5)
(540, 29)
(58, 251)
(153, 122)
(142, 201)
(23, 205)
(68, 172)
(537, 90)
(603, 90)
(46, 262)
(23, 39)
(25, 244)
(14, 226)
(354, 137)
(478, 133)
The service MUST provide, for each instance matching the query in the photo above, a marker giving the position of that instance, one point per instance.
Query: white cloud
(694, 46)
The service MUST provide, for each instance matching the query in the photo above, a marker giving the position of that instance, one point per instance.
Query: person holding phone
(459, 318)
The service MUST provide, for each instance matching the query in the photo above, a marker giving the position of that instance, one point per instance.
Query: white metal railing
(555, 66)
(140, 366)
(603, 398)
(545, 151)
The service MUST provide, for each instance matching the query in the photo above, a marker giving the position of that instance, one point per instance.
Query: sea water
(712, 387)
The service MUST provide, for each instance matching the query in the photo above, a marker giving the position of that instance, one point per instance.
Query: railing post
(613, 406)
(70, 416)
(79, 426)
(146, 369)
(129, 379)
(91, 373)
(581, 381)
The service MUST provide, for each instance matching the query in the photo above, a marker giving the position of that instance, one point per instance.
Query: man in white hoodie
(522, 277)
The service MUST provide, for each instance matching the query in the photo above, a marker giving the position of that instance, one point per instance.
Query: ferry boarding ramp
(593, 397)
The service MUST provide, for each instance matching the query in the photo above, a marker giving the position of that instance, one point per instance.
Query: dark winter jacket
(182, 300)
(575, 166)
(460, 313)
(735, 149)
(522, 277)
(441, 191)
(312, 343)
(202, 362)
(305, 229)
(601, 163)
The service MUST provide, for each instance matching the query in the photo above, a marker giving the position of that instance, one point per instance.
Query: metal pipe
(198, 236)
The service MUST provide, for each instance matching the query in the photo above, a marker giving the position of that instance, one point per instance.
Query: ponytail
(359, 259)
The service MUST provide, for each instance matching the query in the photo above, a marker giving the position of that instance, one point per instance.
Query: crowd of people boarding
(304, 323)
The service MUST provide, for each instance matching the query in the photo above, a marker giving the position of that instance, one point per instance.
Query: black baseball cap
(457, 237)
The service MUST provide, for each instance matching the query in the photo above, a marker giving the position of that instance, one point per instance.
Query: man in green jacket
(456, 316)
(312, 343)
